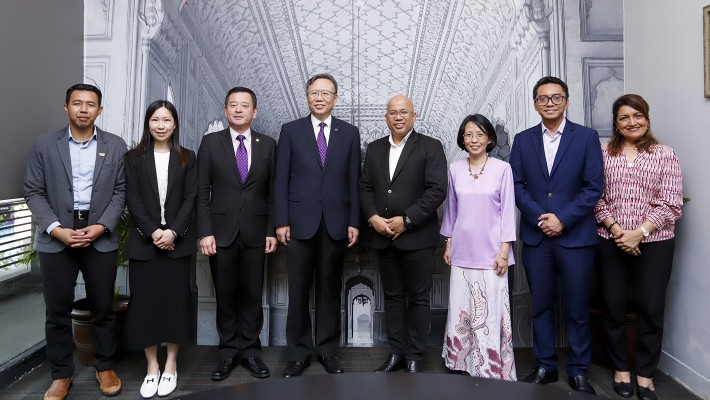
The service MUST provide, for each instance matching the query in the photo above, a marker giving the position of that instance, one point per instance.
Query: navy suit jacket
(305, 192)
(570, 190)
(143, 200)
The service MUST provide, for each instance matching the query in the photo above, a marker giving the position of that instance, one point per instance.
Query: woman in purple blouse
(479, 226)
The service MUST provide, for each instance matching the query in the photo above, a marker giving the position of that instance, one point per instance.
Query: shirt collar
(316, 122)
(559, 131)
(234, 134)
(403, 142)
(71, 138)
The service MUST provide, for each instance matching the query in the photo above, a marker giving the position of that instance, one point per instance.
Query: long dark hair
(617, 139)
(146, 144)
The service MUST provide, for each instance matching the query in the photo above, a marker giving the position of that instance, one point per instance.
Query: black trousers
(406, 282)
(647, 275)
(317, 262)
(238, 276)
(59, 273)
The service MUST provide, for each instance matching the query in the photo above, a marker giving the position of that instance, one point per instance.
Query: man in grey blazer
(74, 187)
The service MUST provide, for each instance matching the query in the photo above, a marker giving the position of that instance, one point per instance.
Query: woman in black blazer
(161, 187)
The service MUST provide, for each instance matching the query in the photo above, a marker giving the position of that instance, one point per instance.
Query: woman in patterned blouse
(636, 214)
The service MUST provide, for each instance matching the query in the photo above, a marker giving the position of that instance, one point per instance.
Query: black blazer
(225, 206)
(417, 189)
(143, 202)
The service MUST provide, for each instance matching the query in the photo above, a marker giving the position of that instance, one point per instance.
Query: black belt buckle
(81, 215)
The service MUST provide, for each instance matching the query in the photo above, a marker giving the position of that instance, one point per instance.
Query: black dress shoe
(623, 389)
(413, 366)
(645, 393)
(393, 363)
(581, 383)
(541, 377)
(223, 369)
(296, 368)
(256, 367)
(331, 364)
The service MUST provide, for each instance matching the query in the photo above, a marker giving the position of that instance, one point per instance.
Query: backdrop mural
(451, 57)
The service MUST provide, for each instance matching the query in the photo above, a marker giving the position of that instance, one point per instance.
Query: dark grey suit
(49, 195)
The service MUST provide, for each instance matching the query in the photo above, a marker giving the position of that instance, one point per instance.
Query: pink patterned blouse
(650, 188)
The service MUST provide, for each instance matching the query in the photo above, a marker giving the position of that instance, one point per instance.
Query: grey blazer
(49, 194)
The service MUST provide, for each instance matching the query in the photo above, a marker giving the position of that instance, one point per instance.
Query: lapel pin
(336, 129)
(102, 154)
(257, 140)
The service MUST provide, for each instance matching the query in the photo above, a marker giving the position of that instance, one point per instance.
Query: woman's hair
(147, 143)
(483, 124)
(617, 139)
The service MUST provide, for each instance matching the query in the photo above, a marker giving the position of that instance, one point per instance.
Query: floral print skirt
(479, 337)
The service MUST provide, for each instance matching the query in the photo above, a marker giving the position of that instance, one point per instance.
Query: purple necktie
(242, 158)
(322, 145)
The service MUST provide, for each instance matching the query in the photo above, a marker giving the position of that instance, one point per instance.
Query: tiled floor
(196, 362)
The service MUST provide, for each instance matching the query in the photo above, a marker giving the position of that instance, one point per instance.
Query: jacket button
(549, 194)
(320, 201)
(389, 190)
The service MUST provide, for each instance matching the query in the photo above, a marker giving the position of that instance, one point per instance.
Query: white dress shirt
(551, 142)
(326, 129)
(247, 142)
(396, 152)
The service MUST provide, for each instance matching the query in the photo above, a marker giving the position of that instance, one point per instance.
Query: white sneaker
(150, 386)
(168, 383)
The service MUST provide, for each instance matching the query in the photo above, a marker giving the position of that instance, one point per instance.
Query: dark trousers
(238, 276)
(550, 268)
(59, 273)
(319, 258)
(648, 276)
(406, 282)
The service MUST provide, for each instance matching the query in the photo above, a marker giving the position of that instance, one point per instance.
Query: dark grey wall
(41, 53)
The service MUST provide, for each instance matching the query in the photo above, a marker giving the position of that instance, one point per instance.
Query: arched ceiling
(438, 52)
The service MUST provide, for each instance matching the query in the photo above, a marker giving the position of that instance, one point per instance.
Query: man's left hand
(396, 225)
(551, 225)
(91, 232)
(353, 234)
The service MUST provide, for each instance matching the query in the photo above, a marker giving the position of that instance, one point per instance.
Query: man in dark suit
(75, 189)
(558, 176)
(234, 209)
(403, 183)
(317, 216)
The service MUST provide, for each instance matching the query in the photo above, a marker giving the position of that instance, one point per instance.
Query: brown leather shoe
(59, 389)
(109, 383)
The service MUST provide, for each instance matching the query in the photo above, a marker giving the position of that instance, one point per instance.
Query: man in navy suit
(317, 215)
(234, 209)
(558, 176)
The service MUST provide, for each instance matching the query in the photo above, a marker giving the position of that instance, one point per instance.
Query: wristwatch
(407, 222)
(644, 231)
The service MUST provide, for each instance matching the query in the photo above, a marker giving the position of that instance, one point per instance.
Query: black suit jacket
(225, 206)
(305, 192)
(143, 202)
(417, 189)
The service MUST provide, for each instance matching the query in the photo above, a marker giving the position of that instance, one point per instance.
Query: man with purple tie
(317, 215)
(236, 230)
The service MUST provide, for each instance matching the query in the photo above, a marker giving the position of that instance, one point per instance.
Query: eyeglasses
(470, 136)
(556, 99)
(403, 113)
(326, 94)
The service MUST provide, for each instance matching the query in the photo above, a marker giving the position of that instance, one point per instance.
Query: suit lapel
(101, 150)
(565, 140)
(333, 141)
(255, 153)
(539, 150)
(408, 148)
(63, 149)
(172, 172)
(225, 139)
(149, 168)
(310, 137)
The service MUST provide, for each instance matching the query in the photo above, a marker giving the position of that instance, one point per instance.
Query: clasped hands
(163, 239)
(390, 227)
(550, 225)
(627, 240)
(78, 238)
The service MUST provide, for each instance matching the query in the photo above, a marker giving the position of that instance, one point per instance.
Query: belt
(81, 215)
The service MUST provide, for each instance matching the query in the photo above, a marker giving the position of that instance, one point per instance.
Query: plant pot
(84, 333)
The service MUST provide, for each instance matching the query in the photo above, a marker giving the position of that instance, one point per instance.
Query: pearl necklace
(478, 174)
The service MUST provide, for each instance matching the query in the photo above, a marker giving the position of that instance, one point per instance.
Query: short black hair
(550, 79)
(240, 89)
(483, 124)
(83, 87)
(322, 76)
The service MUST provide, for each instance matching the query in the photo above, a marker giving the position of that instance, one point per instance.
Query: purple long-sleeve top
(479, 214)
